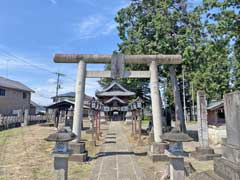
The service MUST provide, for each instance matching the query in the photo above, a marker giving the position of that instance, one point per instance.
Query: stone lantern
(175, 153)
(61, 152)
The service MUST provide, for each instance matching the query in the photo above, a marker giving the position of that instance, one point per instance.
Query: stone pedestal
(204, 154)
(60, 166)
(151, 137)
(157, 152)
(78, 152)
(128, 121)
(176, 168)
(228, 167)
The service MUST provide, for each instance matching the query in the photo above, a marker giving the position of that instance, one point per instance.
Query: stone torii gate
(117, 62)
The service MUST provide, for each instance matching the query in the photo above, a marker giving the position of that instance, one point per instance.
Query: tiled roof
(7, 83)
(121, 92)
(65, 101)
(117, 99)
(215, 105)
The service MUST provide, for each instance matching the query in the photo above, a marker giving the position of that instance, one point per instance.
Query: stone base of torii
(117, 71)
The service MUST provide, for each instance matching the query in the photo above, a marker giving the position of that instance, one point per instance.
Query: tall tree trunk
(180, 123)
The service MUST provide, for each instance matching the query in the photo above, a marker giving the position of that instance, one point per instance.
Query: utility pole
(184, 97)
(58, 82)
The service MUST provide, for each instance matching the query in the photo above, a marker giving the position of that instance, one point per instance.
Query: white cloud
(44, 92)
(11, 64)
(52, 81)
(94, 26)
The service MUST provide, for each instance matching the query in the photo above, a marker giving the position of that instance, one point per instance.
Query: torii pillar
(117, 71)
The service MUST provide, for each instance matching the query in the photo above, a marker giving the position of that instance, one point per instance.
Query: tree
(155, 27)
(208, 41)
(223, 24)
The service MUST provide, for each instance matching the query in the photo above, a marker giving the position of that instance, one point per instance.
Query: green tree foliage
(223, 24)
(206, 36)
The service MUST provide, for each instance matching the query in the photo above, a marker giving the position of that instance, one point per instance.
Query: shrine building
(115, 99)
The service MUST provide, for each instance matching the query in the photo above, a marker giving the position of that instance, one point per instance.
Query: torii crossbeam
(117, 71)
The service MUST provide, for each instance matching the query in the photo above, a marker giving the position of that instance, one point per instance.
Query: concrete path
(116, 160)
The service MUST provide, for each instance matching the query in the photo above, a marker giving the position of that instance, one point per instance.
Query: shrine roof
(114, 89)
(117, 99)
(215, 105)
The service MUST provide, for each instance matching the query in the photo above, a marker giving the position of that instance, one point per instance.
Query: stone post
(79, 99)
(156, 150)
(19, 116)
(203, 152)
(140, 115)
(128, 117)
(26, 114)
(132, 134)
(202, 119)
(156, 102)
(92, 127)
(228, 167)
(69, 121)
(60, 166)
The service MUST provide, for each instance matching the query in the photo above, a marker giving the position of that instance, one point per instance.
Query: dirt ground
(154, 171)
(25, 155)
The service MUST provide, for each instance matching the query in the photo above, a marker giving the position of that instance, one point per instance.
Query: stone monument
(228, 166)
(203, 152)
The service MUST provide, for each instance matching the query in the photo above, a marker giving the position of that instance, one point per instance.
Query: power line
(10, 55)
(17, 59)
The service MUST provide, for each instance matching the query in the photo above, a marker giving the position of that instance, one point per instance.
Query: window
(2, 92)
(24, 95)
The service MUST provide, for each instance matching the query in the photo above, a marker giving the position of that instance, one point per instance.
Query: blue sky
(34, 30)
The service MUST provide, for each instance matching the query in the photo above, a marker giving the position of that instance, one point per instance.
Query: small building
(14, 96)
(215, 113)
(71, 97)
(63, 102)
(117, 98)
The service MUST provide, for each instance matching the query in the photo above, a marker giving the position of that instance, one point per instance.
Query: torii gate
(117, 71)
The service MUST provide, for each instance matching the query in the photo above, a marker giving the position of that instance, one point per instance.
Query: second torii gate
(117, 71)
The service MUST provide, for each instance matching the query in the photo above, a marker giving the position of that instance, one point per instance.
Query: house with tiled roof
(14, 96)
